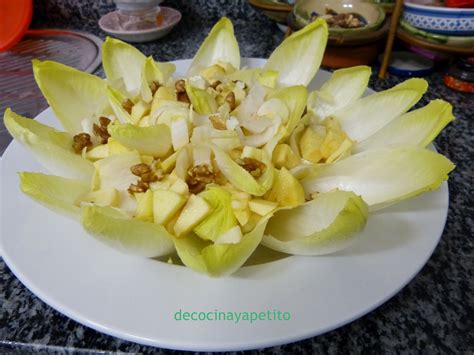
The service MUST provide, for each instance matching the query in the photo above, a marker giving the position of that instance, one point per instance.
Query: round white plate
(137, 299)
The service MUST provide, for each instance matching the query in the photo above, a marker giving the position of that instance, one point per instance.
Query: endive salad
(213, 164)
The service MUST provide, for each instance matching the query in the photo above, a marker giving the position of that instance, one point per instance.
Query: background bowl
(373, 13)
(443, 20)
(273, 9)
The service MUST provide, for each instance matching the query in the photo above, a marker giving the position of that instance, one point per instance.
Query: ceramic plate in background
(137, 299)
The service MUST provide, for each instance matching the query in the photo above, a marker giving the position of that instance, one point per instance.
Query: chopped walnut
(254, 167)
(215, 84)
(104, 121)
(127, 105)
(230, 99)
(154, 86)
(146, 174)
(140, 169)
(238, 81)
(80, 141)
(101, 131)
(218, 122)
(183, 97)
(199, 176)
(140, 186)
(180, 86)
(151, 177)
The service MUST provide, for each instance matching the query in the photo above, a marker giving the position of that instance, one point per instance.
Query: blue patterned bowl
(443, 20)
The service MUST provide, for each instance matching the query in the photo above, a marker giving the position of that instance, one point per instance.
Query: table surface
(431, 314)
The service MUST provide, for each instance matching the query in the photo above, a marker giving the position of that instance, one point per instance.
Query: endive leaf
(116, 100)
(324, 225)
(220, 46)
(130, 236)
(344, 87)
(123, 65)
(241, 178)
(54, 192)
(52, 148)
(152, 140)
(298, 57)
(202, 101)
(382, 176)
(295, 98)
(73, 95)
(154, 72)
(419, 127)
(370, 114)
(218, 259)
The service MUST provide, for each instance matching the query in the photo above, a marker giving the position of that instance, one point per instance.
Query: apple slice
(166, 204)
(193, 213)
(262, 207)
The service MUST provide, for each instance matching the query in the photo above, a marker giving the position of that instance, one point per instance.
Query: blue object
(443, 20)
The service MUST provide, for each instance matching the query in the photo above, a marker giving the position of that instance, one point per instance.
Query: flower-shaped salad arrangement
(213, 164)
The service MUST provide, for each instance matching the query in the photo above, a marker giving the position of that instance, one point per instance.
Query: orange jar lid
(15, 18)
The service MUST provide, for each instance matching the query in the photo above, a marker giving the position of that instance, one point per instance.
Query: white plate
(136, 299)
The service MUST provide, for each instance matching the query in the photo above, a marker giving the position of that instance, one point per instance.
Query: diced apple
(180, 187)
(283, 156)
(262, 207)
(162, 95)
(179, 132)
(140, 109)
(116, 148)
(103, 197)
(212, 72)
(95, 182)
(232, 236)
(286, 190)
(169, 163)
(195, 210)
(145, 121)
(166, 204)
(310, 145)
(99, 152)
(147, 159)
(242, 216)
(252, 152)
(144, 210)
(251, 223)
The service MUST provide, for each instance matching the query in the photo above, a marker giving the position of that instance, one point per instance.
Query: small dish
(372, 14)
(442, 20)
(457, 41)
(111, 24)
(273, 9)
(408, 64)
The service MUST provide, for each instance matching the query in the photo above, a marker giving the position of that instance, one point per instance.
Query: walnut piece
(253, 166)
(230, 99)
(199, 176)
(146, 175)
(140, 186)
(101, 131)
(154, 86)
(127, 105)
(80, 141)
(215, 84)
(140, 169)
(180, 86)
(183, 97)
(218, 122)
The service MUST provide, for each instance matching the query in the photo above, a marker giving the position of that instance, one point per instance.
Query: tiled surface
(430, 315)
